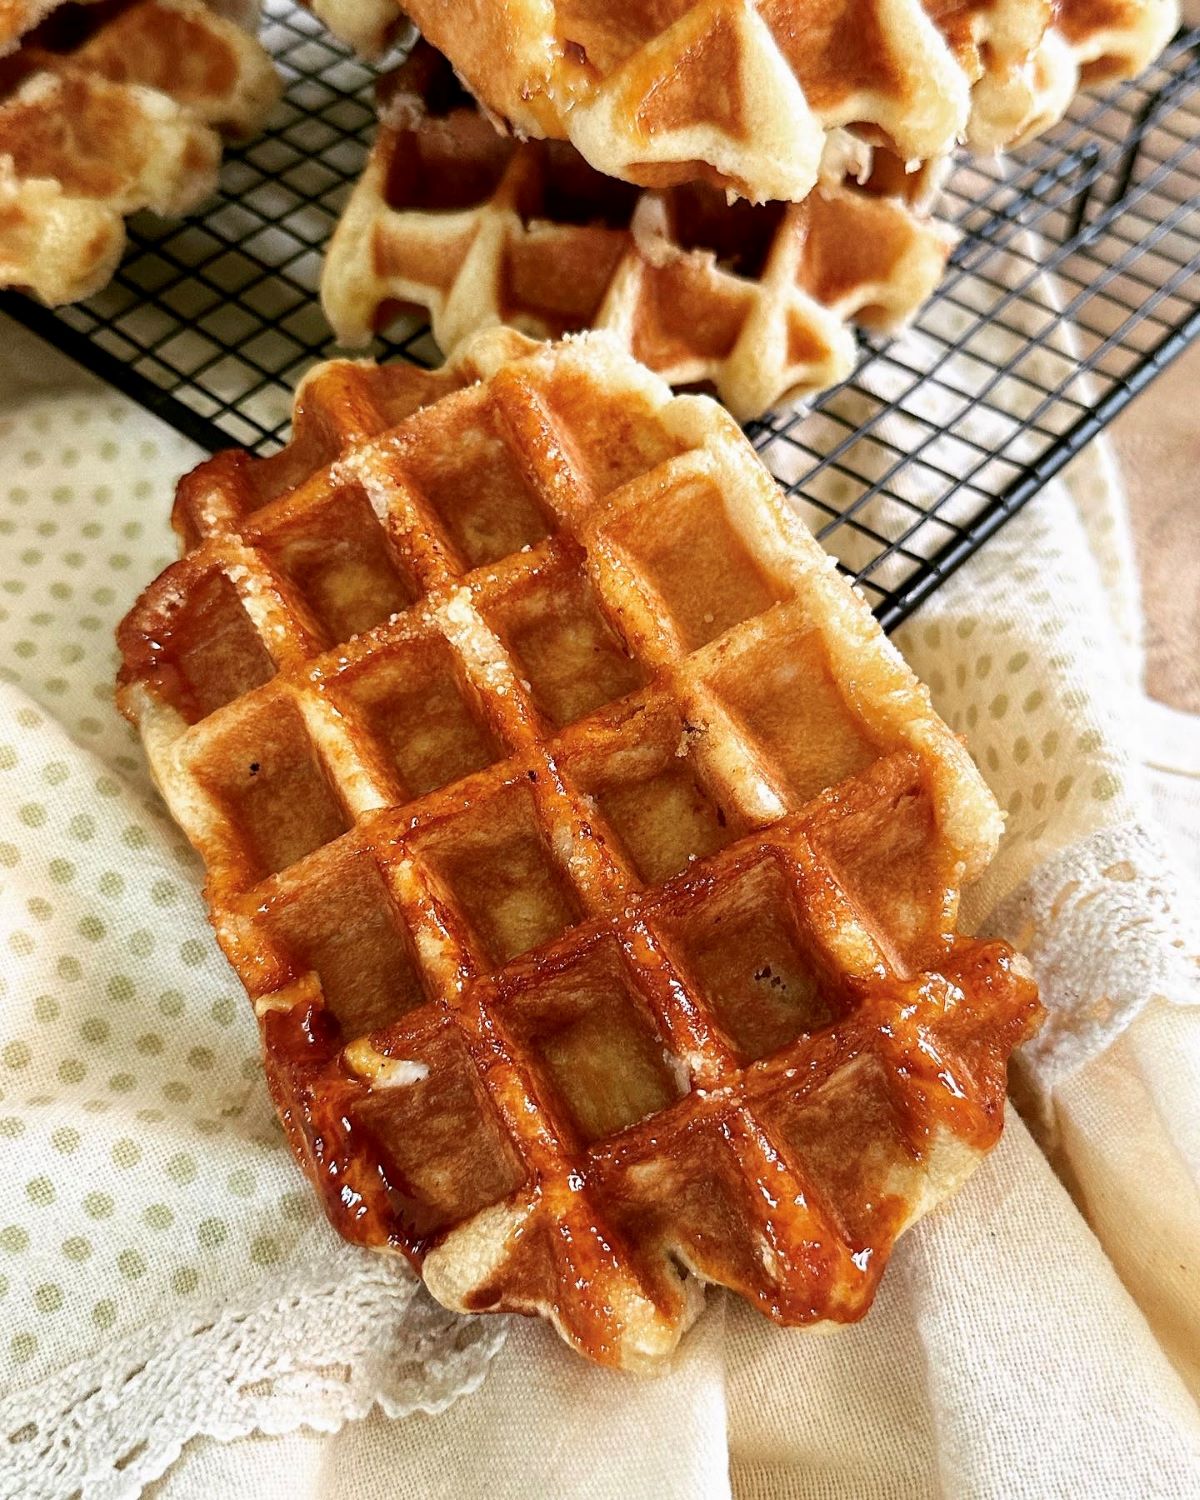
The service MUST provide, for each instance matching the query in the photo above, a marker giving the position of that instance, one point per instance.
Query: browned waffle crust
(590, 856)
(1027, 85)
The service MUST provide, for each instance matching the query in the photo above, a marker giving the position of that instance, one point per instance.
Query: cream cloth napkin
(163, 1270)
(165, 1275)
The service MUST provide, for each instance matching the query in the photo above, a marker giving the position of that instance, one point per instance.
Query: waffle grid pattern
(516, 717)
(212, 325)
(745, 96)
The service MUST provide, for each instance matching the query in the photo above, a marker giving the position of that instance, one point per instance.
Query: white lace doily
(321, 1350)
(1105, 926)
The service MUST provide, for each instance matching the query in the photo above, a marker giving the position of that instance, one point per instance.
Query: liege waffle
(1087, 41)
(19, 16)
(739, 94)
(590, 856)
(475, 228)
(368, 26)
(110, 108)
(742, 94)
(999, 43)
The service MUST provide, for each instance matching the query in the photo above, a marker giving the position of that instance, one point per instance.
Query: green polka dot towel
(151, 1218)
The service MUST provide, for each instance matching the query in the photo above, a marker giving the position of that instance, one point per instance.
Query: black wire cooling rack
(1076, 280)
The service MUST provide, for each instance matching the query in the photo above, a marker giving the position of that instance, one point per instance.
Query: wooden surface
(1158, 444)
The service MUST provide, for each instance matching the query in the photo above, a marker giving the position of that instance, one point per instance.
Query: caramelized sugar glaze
(590, 857)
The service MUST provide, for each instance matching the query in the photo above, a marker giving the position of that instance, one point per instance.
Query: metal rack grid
(1076, 280)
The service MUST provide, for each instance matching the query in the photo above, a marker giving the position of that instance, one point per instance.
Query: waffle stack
(738, 95)
(110, 108)
(755, 299)
(590, 857)
(475, 228)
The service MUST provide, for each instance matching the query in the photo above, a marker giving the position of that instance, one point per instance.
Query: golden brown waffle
(19, 16)
(996, 43)
(1110, 39)
(368, 26)
(475, 229)
(742, 94)
(110, 108)
(590, 856)
(1087, 41)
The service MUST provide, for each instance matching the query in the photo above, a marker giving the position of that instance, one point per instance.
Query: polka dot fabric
(145, 1176)
(144, 1163)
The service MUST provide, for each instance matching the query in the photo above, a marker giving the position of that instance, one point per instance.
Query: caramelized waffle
(475, 229)
(110, 108)
(591, 858)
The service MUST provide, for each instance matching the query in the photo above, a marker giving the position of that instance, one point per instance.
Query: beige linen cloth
(165, 1279)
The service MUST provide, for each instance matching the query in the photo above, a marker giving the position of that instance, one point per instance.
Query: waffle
(741, 95)
(590, 856)
(475, 229)
(998, 44)
(1113, 39)
(368, 26)
(19, 16)
(1086, 42)
(108, 109)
